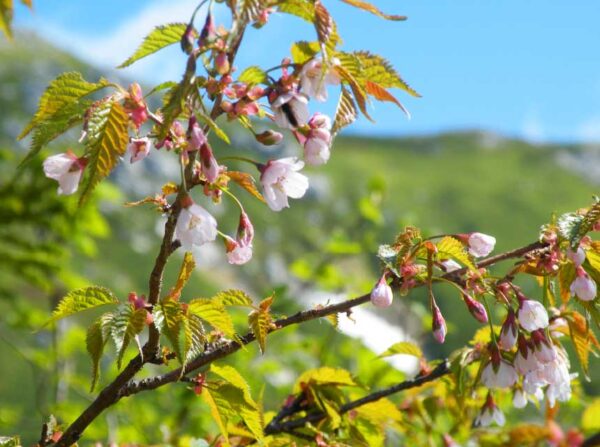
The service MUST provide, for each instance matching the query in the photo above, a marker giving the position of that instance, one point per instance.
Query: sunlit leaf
(6, 16)
(373, 10)
(95, 343)
(381, 94)
(590, 421)
(325, 376)
(451, 248)
(216, 415)
(304, 9)
(167, 319)
(253, 75)
(83, 299)
(126, 323)
(345, 113)
(159, 38)
(260, 322)
(403, 347)
(303, 51)
(584, 340)
(214, 313)
(233, 297)
(187, 268)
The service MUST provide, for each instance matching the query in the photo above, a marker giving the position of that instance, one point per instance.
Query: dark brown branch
(439, 371)
(592, 441)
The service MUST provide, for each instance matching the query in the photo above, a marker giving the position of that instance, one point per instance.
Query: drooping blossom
(532, 314)
(66, 169)
(245, 231)
(498, 373)
(577, 256)
(314, 79)
(490, 413)
(318, 141)
(438, 324)
(208, 32)
(290, 110)
(519, 399)
(509, 331)
(138, 149)
(382, 295)
(176, 137)
(195, 225)
(544, 349)
(280, 179)
(479, 244)
(583, 287)
(525, 360)
(236, 253)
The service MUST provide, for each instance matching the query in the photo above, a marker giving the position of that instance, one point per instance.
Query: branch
(439, 371)
(345, 306)
(592, 441)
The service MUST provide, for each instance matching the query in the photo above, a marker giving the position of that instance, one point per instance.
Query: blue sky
(529, 69)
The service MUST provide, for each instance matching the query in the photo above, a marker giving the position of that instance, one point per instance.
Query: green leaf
(167, 318)
(346, 111)
(451, 248)
(303, 51)
(106, 143)
(159, 38)
(569, 225)
(253, 75)
(82, 299)
(323, 22)
(185, 272)
(299, 8)
(590, 421)
(260, 323)
(233, 297)
(162, 86)
(214, 313)
(378, 69)
(360, 96)
(95, 342)
(373, 10)
(66, 90)
(215, 411)
(126, 323)
(214, 127)
(174, 102)
(586, 225)
(232, 376)
(403, 347)
(193, 337)
(325, 376)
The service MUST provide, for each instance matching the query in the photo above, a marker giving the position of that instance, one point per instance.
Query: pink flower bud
(245, 231)
(135, 106)
(480, 244)
(382, 295)
(583, 287)
(138, 149)
(222, 63)
(508, 334)
(210, 167)
(187, 39)
(269, 137)
(208, 31)
(476, 308)
(438, 325)
(577, 257)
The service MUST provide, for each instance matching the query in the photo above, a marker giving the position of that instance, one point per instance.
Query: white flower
(525, 364)
(66, 169)
(488, 415)
(290, 110)
(519, 399)
(195, 226)
(508, 334)
(545, 353)
(583, 287)
(450, 265)
(237, 253)
(318, 142)
(532, 315)
(280, 179)
(314, 80)
(138, 149)
(505, 377)
(576, 256)
(481, 244)
(382, 295)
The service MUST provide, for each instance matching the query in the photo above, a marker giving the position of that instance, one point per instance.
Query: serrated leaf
(260, 323)
(253, 75)
(251, 9)
(233, 297)
(483, 336)
(358, 92)
(173, 105)
(381, 94)
(334, 319)
(167, 318)
(246, 181)
(584, 340)
(216, 414)
(451, 248)
(94, 342)
(373, 10)
(82, 299)
(106, 143)
(403, 347)
(66, 90)
(214, 313)
(303, 51)
(325, 376)
(233, 402)
(162, 86)
(378, 69)
(345, 113)
(299, 8)
(185, 272)
(232, 376)
(568, 225)
(193, 337)
(323, 22)
(159, 38)
(126, 323)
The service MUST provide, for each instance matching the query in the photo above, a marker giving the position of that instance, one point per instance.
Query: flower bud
(583, 287)
(438, 325)
(208, 31)
(195, 135)
(245, 231)
(382, 295)
(187, 39)
(476, 308)
(222, 63)
(210, 167)
(577, 257)
(269, 137)
(509, 331)
(138, 149)
(480, 244)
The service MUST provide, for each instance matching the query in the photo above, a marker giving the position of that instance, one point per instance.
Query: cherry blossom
(583, 286)
(509, 331)
(382, 295)
(532, 314)
(438, 324)
(138, 149)
(479, 244)
(577, 256)
(314, 79)
(66, 168)
(280, 179)
(490, 413)
(195, 225)
(290, 110)
(318, 141)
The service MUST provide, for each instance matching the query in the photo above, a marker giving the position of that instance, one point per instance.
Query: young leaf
(451, 248)
(303, 51)
(260, 323)
(253, 75)
(381, 94)
(584, 340)
(95, 342)
(246, 181)
(159, 38)
(377, 69)
(324, 376)
(214, 313)
(587, 223)
(187, 267)
(233, 297)
(167, 318)
(107, 142)
(221, 420)
(403, 347)
(82, 299)
(357, 90)
(323, 22)
(299, 8)
(174, 101)
(126, 323)
(373, 10)
(193, 337)
(232, 376)
(345, 113)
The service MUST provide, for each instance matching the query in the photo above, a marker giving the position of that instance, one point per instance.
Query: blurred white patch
(533, 128)
(589, 130)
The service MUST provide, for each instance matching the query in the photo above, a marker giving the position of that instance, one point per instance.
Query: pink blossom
(66, 169)
(237, 253)
(135, 106)
(480, 244)
(532, 314)
(314, 80)
(290, 110)
(208, 163)
(382, 295)
(438, 325)
(583, 286)
(318, 142)
(138, 149)
(195, 225)
(195, 135)
(280, 179)
(577, 257)
(509, 331)
(245, 231)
